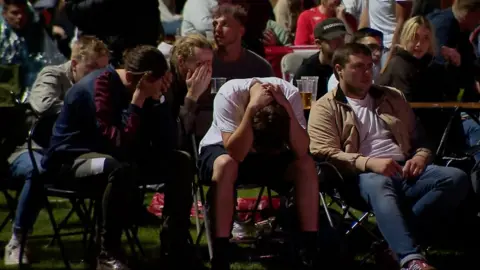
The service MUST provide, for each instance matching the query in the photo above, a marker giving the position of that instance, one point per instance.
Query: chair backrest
(292, 61)
(199, 131)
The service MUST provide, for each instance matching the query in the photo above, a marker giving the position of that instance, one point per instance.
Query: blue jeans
(28, 203)
(170, 28)
(472, 132)
(434, 194)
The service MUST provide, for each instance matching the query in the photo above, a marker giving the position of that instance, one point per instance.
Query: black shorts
(257, 169)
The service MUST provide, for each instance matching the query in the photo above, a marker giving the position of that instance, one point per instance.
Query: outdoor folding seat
(10, 201)
(346, 198)
(200, 196)
(85, 203)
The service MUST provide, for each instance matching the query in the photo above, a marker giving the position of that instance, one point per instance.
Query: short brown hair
(271, 128)
(465, 6)
(236, 11)
(341, 56)
(184, 47)
(87, 47)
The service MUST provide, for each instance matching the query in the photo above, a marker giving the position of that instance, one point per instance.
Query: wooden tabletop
(464, 105)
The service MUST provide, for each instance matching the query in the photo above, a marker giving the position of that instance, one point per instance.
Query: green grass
(44, 257)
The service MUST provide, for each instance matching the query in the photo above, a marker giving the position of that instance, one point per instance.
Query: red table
(274, 55)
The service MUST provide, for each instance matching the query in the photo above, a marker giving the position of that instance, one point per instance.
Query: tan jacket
(334, 134)
(49, 89)
(46, 97)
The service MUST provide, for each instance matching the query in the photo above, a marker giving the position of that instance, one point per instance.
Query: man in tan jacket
(370, 132)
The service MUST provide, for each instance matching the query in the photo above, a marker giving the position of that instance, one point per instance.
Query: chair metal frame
(88, 215)
(336, 198)
(11, 202)
(199, 195)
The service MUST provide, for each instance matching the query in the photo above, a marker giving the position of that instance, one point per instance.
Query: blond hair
(409, 31)
(462, 7)
(88, 47)
(184, 47)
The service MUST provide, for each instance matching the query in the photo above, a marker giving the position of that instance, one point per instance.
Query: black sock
(220, 253)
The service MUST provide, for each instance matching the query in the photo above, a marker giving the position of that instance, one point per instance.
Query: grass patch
(48, 257)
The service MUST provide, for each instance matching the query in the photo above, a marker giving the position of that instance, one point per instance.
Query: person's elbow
(44, 105)
(234, 152)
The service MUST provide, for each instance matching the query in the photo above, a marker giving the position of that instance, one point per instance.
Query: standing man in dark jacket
(113, 122)
(121, 24)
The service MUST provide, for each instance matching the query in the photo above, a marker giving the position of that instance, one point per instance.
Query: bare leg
(225, 172)
(304, 175)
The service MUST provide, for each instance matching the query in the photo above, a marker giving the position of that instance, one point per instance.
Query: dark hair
(236, 11)
(15, 2)
(341, 56)
(366, 32)
(271, 128)
(145, 58)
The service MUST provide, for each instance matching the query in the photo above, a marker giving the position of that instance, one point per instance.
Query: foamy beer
(305, 87)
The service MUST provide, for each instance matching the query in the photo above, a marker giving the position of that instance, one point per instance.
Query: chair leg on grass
(325, 207)
(206, 225)
(56, 233)
(11, 204)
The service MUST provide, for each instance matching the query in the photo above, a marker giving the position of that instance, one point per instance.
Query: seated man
(329, 35)
(258, 136)
(231, 60)
(373, 39)
(46, 98)
(114, 124)
(368, 131)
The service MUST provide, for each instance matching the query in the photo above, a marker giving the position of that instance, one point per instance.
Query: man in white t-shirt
(258, 136)
(369, 132)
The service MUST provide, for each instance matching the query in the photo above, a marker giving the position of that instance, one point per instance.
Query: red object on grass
(158, 202)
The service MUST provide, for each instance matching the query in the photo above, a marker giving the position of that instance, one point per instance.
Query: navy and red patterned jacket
(97, 116)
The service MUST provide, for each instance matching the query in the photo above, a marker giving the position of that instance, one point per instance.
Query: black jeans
(116, 184)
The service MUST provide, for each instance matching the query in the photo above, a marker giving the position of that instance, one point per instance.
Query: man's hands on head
(260, 96)
(390, 168)
(198, 80)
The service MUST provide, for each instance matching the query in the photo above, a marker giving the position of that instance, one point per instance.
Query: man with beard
(231, 60)
(329, 35)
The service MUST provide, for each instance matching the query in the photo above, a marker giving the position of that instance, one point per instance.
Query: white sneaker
(242, 231)
(12, 252)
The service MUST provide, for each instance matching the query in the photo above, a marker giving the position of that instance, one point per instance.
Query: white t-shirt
(231, 101)
(375, 138)
(382, 17)
(353, 7)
